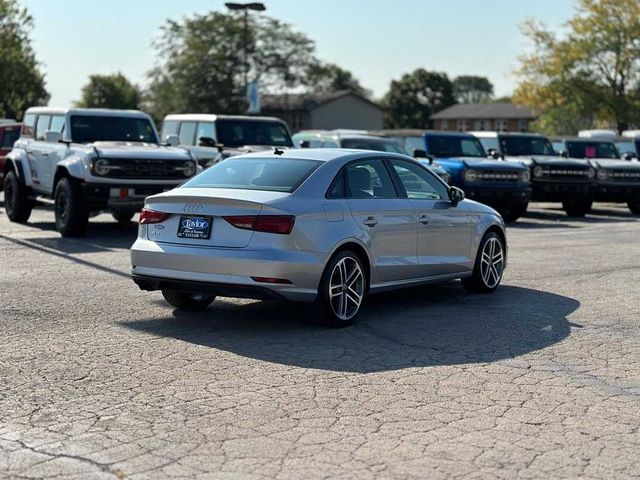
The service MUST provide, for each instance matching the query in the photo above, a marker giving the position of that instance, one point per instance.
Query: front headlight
(470, 176)
(189, 169)
(591, 173)
(602, 175)
(525, 176)
(102, 166)
(538, 171)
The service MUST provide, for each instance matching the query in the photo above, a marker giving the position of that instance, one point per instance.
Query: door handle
(371, 222)
(423, 219)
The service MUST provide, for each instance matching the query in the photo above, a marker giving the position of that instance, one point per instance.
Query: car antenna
(277, 151)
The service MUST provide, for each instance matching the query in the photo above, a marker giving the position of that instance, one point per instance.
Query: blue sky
(378, 40)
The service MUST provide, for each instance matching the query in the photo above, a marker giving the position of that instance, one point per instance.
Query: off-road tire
(577, 208)
(71, 212)
(123, 216)
(17, 203)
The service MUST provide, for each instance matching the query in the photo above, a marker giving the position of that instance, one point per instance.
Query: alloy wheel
(346, 288)
(492, 262)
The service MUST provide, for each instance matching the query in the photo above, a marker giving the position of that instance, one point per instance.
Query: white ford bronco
(87, 161)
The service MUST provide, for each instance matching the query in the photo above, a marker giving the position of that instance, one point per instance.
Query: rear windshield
(271, 174)
(9, 137)
(372, 144)
(592, 150)
(517, 146)
(451, 146)
(91, 128)
(237, 133)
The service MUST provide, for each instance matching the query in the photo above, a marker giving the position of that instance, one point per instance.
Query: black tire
(123, 216)
(476, 282)
(17, 203)
(577, 208)
(511, 213)
(72, 214)
(634, 206)
(188, 301)
(325, 309)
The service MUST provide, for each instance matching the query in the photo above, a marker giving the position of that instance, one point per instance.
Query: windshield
(94, 128)
(523, 145)
(376, 144)
(452, 146)
(9, 137)
(272, 174)
(592, 150)
(236, 133)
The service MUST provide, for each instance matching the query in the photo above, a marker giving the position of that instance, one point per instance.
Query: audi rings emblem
(193, 208)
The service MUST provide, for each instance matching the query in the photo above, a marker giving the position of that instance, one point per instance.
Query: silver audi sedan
(326, 226)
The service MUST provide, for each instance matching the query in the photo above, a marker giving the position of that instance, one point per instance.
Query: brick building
(500, 117)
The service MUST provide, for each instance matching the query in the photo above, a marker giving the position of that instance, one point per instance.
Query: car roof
(209, 117)
(486, 134)
(322, 154)
(416, 132)
(583, 139)
(87, 111)
(342, 134)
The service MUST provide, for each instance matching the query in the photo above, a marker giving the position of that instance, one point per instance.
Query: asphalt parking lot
(539, 380)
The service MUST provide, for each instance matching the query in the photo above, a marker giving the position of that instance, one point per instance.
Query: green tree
(472, 89)
(329, 77)
(588, 77)
(415, 97)
(201, 62)
(22, 82)
(110, 91)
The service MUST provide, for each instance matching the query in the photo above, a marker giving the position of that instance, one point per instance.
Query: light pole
(245, 7)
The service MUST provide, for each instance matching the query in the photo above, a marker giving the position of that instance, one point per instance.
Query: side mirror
(493, 153)
(628, 156)
(206, 142)
(456, 195)
(304, 144)
(418, 153)
(51, 136)
(172, 140)
(564, 153)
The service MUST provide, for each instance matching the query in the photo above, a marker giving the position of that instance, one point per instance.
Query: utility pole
(245, 7)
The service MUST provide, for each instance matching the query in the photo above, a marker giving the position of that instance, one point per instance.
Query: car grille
(564, 174)
(135, 168)
(499, 176)
(625, 176)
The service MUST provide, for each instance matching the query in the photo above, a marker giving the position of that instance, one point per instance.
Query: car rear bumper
(227, 271)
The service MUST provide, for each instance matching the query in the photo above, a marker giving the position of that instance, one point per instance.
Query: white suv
(89, 160)
(212, 138)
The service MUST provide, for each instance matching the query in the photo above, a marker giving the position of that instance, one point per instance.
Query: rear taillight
(151, 216)
(282, 224)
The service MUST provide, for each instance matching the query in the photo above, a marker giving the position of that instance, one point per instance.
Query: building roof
(484, 111)
(306, 101)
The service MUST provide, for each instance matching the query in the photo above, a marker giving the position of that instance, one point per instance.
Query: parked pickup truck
(89, 160)
(212, 138)
(501, 185)
(553, 177)
(9, 133)
(360, 140)
(616, 180)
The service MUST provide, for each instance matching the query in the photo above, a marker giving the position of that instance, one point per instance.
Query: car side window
(369, 179)
(419, 183)
(329, 144)
(169, 127)
(57, 123)
(42, 125)
(206, 130)
(187, 133)
(28, 124)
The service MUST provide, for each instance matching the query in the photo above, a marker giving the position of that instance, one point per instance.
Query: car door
(387, 221)
(444, 229)
(39, 151)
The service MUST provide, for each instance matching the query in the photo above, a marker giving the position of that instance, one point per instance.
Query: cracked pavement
(541, 379)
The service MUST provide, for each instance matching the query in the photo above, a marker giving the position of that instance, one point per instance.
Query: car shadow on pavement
(418, 327)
